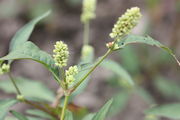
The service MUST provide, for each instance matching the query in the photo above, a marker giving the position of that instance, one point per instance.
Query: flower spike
(88, 13)
(70, 73)
(126, 22)
(61, 54)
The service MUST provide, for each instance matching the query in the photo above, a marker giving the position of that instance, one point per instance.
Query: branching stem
(92, 69)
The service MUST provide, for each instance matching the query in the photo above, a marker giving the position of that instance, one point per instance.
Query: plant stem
(14, 84)
(86, 33)
(64, 107)
(92, 69)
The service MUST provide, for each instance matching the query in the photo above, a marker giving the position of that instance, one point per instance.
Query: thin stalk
(91, 70)
(64, 107)
(86, 33)
(14, 84)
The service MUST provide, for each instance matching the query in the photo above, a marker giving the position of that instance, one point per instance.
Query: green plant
(73, 80)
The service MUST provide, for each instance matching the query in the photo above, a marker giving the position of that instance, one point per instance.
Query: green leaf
(28, 50)
(119, 102)
(169, 110)
(103, 111)
(10, 118)
(24, 33)
(131, 65)
(168, 88)
(34, 118)
(89, 116)
(121, 72)
(5, 105)
(146, 40)
(29, 88)
(39, 114)
(69, 115)
(145, 95)
(18, 115)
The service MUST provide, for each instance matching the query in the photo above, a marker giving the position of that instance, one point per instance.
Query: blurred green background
(155, 73)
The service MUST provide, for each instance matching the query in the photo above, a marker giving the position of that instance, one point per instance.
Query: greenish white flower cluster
(70, 74)
(89, 7)
(61, 54)
(126, 22)
(4, 68)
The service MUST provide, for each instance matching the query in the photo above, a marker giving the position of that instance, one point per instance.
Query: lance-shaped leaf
(40, 114)
(103, 111)
(69, 115)
(117, 69)
(29, 88)
(24, 33)
(143, 39)
(29, 50)
(4, 107)
(18, 115)
(170, 111)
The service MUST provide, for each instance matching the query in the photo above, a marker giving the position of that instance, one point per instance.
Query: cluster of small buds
(4, 68)
(70, 73)
(89, 7)
(126, 22)
(61, 54)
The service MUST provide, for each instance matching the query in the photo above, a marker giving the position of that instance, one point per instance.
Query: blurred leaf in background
(9, 8)
(129, 59)
(29, 88)
(152, 3)
(168, 110)
(167, 87)
(38, 113)
(122, 74)
(18, 115)
(5, 105)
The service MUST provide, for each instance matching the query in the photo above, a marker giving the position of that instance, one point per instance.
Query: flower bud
(4, 68)
(126, 22)
(61, 54)
(88, 9)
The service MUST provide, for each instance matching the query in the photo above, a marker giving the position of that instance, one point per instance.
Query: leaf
(69, 115)
(131, 65)
(18, 115)
(24, 33)
(120, 100)
(103, 111)
(116, 68)
(5, 105)
(29, 50)
(34, 118)
(89, 116)
(29, 88)
(10, 118)
(169, 110)
(39, 114)
(146, 40)
(168, 88)
(145, 95)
